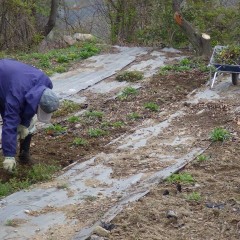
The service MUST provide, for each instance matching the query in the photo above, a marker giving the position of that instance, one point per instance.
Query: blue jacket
(21, 87)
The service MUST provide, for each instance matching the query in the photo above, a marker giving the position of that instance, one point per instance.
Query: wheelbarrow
(217, 68)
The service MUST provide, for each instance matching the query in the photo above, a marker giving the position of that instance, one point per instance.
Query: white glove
(32, 127)
(22, 131)
(9, 163)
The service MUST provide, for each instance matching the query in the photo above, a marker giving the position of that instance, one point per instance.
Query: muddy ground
(215, 214)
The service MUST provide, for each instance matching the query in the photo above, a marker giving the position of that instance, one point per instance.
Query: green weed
(58, 60)
(151, 106)
(94, 114)
(133, 116)
(184, 65)
(202, 158)
(128, 91)
(130, 76)
(12, 186)
(96, 132)
(220, 134)
(11, 223)
(73, 119)
(55, 128)
(181, 177)
(194, 196)
(118, 124)
(41, 172)
(80, 141)
(66, 107)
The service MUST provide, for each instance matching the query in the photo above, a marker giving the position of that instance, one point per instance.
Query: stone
(69, 40)
(82, 37)
(101, 232)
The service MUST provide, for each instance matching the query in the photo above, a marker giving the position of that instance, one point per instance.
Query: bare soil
(216, 214)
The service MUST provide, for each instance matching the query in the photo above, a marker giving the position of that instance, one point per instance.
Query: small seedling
(151, 106)
(220, 134)
(194, 196)
(181, 177)
(202, 158)
(66, 107)
(118, 124)
(128, 91)
(94, 114)
(129, 76)
(62, 186)
(55, 129)
(96, 132)
(80, 141)
(11, 223)
(90, 198)
(133, 116)
(73, 119)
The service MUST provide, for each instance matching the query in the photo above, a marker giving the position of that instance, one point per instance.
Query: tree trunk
(52, 18)
(200, 42)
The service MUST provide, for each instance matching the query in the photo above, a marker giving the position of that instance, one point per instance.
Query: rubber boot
(24, 155)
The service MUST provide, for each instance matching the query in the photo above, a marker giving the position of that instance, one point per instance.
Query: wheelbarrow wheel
(235, 77)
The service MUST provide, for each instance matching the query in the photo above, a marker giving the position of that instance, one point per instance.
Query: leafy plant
(66, 107)
(73, 119)
(94, 114)
(80, 141)
(220, 134)
(57, 60)
(202, 158)
(151, 106)
(129, 76)
(133, 116)
(229, 55)
(181, 177)
(194, 196)
(10, 223)
(96, 132)
(55, 128)
(118, 124)
(128, 91)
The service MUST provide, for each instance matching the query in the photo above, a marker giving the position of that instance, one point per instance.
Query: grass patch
(41, 172)
(67, 107)
(96, 132)
(80, 142)
(73, 119)
(202, 158)
(220, 134)
(58, 60)
(55, 129)
(151, 106)
(128, 91)
(130, 76)
(194, 196)
(12, 186)
(181, 177)
(184, 65)
(133, 116)
(118, 124)
(94, 114)
(24, 178)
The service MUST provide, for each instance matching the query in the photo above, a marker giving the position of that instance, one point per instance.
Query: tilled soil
(165, 91)
(215, 214)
